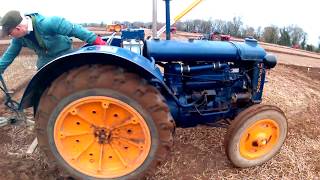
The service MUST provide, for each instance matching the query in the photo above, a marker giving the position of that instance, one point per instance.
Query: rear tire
(79, 124)
(255, 135)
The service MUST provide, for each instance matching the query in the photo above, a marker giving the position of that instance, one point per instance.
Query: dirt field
(198, 152)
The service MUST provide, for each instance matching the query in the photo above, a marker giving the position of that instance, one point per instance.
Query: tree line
(291, 36)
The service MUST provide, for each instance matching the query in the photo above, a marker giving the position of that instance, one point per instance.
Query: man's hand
(99, 41)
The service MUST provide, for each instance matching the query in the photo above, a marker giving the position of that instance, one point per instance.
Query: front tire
(255, 135)
(100, 122)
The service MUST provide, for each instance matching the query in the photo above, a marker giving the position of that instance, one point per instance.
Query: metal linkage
(12, 105)
(109, 41)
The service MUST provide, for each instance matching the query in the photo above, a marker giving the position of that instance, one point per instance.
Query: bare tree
(228, 27)
(206, 26)
(102, 24)
(284, 39)
(247, 32)
(271, 34)
(197, 25)
(296, 34)
(148, 25)
(137, 24)
(258, 33)
(218, 25)
(234, 26)
(180, 26)
(304, 41)
(189, 27)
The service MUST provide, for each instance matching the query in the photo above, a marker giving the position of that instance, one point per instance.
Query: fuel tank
(203, 50)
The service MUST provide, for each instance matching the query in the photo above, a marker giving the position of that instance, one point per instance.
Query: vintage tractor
(109, 112)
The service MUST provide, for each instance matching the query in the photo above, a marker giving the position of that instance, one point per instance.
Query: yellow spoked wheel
(102, 137)
(101, 122)
(255, 135)
(259, 139)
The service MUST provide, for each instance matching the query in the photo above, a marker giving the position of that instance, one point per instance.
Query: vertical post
(154, 19)
(167, 19)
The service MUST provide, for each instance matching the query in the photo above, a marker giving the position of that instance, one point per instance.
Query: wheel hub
(259, 139)
(102, 134)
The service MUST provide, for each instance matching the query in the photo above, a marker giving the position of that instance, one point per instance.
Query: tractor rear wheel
(100, 122)
(255, 135)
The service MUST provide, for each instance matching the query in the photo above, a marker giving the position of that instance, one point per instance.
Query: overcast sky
(253, 12)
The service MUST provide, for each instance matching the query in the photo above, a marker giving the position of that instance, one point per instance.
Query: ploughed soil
(198, 152)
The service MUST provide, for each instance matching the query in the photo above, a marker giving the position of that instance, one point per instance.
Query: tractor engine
(209, 88)
(209, 80)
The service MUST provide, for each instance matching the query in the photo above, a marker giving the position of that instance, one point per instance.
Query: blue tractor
(109, 112)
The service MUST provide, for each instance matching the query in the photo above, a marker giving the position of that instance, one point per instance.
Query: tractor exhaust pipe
(154, 19)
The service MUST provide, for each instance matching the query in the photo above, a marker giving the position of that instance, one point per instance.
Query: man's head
(13, 24)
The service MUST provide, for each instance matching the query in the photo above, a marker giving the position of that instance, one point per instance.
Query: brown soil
(198, 152)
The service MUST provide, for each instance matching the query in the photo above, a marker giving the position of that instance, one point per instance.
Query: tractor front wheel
(255, 135)
(100, 122)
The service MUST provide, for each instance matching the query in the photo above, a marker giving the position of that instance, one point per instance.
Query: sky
(253, 13)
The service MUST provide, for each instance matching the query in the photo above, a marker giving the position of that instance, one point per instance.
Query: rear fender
(110, 55)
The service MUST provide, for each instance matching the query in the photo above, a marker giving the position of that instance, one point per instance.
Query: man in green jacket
(49, 37)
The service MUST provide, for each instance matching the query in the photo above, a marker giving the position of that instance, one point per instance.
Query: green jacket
(51, 40)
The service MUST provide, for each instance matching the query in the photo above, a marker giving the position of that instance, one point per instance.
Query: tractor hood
(202, 50)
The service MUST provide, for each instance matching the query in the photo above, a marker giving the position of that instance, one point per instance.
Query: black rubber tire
(242, 122)
(109, 81)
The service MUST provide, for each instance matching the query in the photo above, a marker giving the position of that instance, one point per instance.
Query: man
(49, 37)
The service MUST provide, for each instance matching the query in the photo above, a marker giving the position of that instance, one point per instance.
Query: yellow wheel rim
(102, 137)
(259, 139)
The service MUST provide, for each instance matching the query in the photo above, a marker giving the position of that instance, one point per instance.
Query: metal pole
(154, 19)
(188, 9)
(179, 16)
(167, 19)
